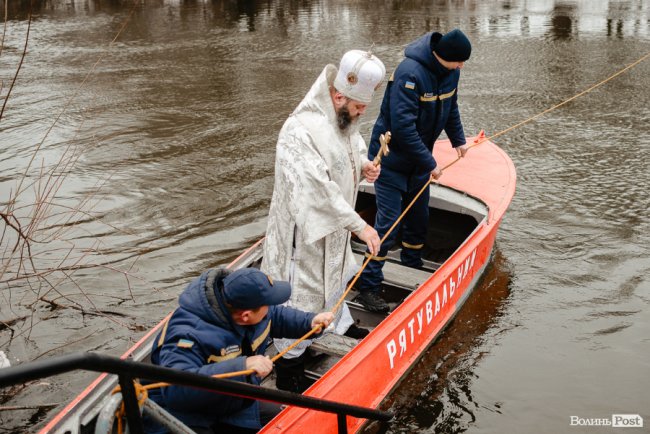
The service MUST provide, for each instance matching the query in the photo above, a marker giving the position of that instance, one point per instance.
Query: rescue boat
(466, 209)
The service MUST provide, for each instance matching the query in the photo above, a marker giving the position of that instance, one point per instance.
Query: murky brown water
(172, 137)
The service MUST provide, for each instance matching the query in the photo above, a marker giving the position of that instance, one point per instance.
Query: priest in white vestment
(320, 160)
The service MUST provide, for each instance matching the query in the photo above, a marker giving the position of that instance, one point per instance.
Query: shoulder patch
(185, 343)
(230, 349)
(409, 85)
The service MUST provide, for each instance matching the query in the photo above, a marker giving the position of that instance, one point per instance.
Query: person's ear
(339, 100)
(245, 316)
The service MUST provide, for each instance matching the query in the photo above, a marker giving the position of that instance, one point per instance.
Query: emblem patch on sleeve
(409, 85)
(230, 349)
(185, 343)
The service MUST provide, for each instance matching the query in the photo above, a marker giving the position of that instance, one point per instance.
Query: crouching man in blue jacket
(224, 323)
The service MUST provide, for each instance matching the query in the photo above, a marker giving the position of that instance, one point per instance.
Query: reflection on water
(166, 146)
(437, 396)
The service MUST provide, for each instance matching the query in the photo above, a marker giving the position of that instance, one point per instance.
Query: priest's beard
(344, 119)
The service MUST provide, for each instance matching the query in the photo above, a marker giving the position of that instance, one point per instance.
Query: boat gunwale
(486, 228)
(484, 234)
(328, 386)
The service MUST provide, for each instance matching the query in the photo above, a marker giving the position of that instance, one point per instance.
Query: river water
(151, 159)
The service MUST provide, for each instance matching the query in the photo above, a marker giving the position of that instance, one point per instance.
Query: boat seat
(319, 365)
(427, 265)
(400, 275)
(394, 255)
(333, 344)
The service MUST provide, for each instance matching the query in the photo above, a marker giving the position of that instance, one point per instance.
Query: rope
(142, 395)
(480, 140)
(477, 142)
(630, 66)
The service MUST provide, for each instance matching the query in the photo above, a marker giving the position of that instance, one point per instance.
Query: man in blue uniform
(420, 102)
(224, 323)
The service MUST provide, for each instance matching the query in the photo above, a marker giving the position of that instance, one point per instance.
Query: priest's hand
(370, 171)
(369, 236)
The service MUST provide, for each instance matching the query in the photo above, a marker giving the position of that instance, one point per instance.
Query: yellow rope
(140, 393)
(478, 142)
(570, 99)
(399, 219)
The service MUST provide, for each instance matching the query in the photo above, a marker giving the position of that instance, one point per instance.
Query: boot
(356, 332)
(372, 301)
(290, 374)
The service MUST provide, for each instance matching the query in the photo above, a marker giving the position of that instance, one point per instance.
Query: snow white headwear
(360, 74)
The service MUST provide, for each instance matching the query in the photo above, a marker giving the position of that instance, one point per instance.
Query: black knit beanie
(453, 47)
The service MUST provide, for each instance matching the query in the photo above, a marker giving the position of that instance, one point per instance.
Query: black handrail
(127, 370)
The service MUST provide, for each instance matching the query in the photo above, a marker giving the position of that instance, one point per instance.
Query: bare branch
(27, 407)
(64, 345)
(22, 57)
(69, 101)
(4, 30)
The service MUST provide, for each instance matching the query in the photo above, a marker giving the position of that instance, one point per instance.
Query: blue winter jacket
(419, 102)
(201, 337)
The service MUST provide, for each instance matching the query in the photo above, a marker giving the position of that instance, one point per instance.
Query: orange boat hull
(367, 374)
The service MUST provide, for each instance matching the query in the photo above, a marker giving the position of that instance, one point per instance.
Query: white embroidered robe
(317, 174)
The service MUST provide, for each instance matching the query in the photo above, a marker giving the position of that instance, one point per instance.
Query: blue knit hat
(454, 47)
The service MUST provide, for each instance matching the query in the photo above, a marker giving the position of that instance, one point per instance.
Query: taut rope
(477, 142)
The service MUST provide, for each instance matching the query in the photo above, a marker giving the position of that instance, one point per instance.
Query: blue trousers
(394, 191)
